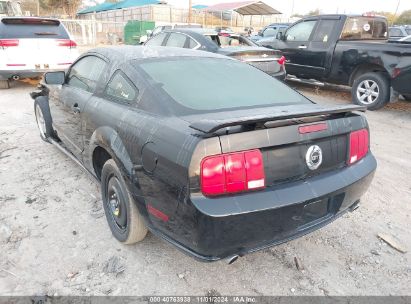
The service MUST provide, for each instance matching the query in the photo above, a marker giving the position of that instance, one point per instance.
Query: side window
(176, 40)
(85, 73)
(324, 31)
(157, 40)
(395, 32)
(121, 88)
(191, 43)
(301, 31)
(270, 31)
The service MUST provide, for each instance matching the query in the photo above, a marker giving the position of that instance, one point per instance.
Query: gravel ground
(54, 238)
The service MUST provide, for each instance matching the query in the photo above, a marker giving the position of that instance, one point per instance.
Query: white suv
(31, 46)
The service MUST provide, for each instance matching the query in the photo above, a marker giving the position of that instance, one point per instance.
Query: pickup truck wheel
(125, 221)
(4, 84)
(371, 90)
(43, 118)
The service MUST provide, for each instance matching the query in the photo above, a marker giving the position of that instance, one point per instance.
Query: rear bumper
(238, 225)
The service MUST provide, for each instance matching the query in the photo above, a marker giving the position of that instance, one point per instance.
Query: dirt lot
(54, 238)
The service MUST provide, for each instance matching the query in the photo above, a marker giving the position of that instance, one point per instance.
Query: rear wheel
(125, 221)
(371, 90)
(4, 84)
(43, 118)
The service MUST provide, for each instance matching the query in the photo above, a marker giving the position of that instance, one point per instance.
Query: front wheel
(43, 118)
(371, 90)
(125, 221)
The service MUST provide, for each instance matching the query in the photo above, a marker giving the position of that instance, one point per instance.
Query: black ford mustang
(200, 161)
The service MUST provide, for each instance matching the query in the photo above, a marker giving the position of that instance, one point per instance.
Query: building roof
(106, 6)
(245, 8)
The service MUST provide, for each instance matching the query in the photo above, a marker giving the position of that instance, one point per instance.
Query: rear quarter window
(21, 28)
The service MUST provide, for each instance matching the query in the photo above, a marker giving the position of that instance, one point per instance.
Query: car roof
(129, 52)
(191, 30)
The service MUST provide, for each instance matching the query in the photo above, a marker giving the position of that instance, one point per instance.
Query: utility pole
(38, 8)
(396, 11)
(190, 4)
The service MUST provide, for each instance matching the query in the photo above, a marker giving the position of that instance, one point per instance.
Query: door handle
(76, 108)
(302, 46)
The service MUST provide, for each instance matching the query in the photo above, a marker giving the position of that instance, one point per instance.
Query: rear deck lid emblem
(314, 157)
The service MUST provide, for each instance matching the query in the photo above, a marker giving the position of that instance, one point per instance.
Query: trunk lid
(285, 146)
(262, 58)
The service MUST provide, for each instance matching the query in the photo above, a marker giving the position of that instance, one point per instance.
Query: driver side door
(67, 103)
(295, 44)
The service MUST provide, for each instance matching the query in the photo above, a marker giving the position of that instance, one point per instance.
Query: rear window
(207, 84)
(364, 28)
(226, 40)
(32, 28)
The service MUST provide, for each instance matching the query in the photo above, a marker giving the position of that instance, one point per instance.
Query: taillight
(358, 146)
(67, 43)
(232, 172)
(281, 60)
(9, 42)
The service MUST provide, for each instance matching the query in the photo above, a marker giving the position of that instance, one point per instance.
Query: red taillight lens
(9, 42)
(67, 43)
(232, 172)
(281, 60)
(358, 145)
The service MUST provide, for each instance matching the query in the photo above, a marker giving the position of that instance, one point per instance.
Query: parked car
(406, 39)
(199, 158)
(270, 31)
(348, 50)
(31, 46)
(233, 45)
(224, 29)
(398, 32)
(160, 28)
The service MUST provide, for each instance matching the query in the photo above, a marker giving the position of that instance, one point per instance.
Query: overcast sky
(326, 6)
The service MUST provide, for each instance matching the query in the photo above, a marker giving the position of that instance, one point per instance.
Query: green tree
(314, 12)
(390, 16)
(404, 18)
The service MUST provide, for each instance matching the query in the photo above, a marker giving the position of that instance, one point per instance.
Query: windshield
(364, 28)
(209, 84)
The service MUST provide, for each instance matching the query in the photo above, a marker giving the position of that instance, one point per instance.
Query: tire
(4, 84)
(125, 221)
(43, 118)
(371, 90)
(407, 97)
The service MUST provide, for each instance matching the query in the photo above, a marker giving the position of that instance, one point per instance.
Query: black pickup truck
(348, 50)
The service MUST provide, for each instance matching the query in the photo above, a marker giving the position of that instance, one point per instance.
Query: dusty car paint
(159, 155)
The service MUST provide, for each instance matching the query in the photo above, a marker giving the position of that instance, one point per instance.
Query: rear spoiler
(210, 126)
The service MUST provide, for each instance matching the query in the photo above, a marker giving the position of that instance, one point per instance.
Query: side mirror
(280, 36)
(260, 33)
(54, 77)
(149, 33)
